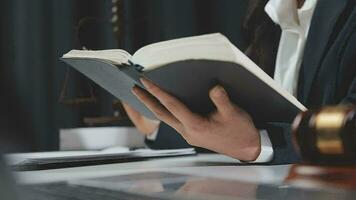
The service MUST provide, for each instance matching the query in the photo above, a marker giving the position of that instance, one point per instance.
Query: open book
(188, 68)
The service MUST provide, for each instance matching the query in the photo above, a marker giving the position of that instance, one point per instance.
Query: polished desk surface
(206, 165)
(205, 176)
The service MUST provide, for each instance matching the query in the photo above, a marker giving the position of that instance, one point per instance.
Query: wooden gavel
(326, 136)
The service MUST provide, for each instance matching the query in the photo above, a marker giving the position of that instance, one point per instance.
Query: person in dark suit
(308, 46)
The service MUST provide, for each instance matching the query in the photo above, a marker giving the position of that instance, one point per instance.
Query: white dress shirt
(295, 25)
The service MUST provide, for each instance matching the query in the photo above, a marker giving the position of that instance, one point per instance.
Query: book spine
(136, 66)
(133, 71)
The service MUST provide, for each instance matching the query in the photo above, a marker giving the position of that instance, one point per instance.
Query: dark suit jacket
(327, 75)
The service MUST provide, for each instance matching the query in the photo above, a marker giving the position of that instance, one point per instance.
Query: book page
(207, 47)
(113, 56)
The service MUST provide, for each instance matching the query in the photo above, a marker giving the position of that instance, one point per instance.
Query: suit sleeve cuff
(153, 136)
(266, 153)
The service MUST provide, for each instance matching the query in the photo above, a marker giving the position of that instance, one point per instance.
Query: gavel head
(326, 136)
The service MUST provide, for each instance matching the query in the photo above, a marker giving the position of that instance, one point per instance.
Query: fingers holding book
(151, 103)
(229, 130)
(172, 104)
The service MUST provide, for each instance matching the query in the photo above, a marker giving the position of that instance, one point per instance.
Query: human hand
(229, 130)
(143, 124)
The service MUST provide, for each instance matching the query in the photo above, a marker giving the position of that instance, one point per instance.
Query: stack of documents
(53, 160)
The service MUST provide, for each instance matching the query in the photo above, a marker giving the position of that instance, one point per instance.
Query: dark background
(35, 34)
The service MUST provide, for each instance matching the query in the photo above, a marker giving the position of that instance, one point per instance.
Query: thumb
(143, 124)
(222, 101)
(131, 112)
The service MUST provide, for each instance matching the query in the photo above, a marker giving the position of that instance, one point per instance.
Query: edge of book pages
(207, 47)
